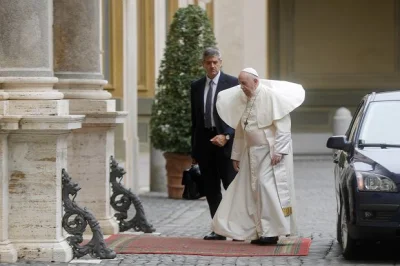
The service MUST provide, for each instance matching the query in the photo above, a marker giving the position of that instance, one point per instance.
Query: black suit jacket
(197, 105)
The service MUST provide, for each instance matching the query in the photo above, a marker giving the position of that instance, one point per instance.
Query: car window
(380, 123)
(355, 121)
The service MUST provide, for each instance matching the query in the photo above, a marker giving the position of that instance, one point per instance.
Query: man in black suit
(211, 138)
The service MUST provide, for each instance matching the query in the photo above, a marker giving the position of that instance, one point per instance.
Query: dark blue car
(367, 173)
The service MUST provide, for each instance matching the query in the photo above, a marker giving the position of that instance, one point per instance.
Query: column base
(8, 253)
(45, 251)
(108, 227)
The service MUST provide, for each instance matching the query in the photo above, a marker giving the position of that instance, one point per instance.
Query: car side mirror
(338, 143)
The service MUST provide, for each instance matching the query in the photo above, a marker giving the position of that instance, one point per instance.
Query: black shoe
(265, 241)
(214, 236)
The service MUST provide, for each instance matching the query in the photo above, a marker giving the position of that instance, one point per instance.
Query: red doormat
(150, 244)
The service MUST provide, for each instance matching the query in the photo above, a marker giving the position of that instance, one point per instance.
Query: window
(355, 122)
(380, 124)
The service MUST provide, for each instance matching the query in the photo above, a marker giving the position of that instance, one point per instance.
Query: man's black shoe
(265, 241)
(214, 236)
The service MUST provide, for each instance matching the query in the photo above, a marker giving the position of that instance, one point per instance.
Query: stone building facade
(55, 114)
(77, 80)
(338, 50)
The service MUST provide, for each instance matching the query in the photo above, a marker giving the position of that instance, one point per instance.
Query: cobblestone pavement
(316, 219)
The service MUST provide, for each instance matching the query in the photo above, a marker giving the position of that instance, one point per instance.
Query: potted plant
(170, 125)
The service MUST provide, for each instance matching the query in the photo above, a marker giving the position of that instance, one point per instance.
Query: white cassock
(260, 201)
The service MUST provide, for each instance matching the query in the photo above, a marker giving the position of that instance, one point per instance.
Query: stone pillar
(77, 40)
(245, 46)
(24, 38)
(37, 154)
(158, 173)
(341, 121)
(89, 151)
(185, 3)
(160, 32)
(36, 146)
(130, 95)
(8, 253)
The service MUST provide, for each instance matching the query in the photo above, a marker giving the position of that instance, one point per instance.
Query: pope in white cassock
(259, 205)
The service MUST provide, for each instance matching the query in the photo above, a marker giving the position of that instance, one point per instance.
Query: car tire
(348, 244)
(338, 227)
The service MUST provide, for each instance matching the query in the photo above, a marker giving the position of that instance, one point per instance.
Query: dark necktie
(207, 113)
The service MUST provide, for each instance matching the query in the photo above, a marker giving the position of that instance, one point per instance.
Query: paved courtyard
(316, 219)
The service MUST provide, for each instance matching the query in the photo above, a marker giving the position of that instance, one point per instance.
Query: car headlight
(374, 182)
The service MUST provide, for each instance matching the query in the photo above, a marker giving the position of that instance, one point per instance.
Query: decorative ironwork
(75, 221)
(122, 199)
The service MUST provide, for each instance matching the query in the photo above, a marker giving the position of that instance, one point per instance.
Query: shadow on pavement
(379, 253)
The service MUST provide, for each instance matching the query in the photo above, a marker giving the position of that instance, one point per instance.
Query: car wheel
(348, 244)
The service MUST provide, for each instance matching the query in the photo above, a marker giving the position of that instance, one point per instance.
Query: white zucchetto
(251, 71)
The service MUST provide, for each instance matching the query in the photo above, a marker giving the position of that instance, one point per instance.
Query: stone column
(77, 40)
(8, 253)
(37, 154)
(26, 52)
(158, 173)
(130, 94)
(36, 146)
(341, 121)
(245, 46)
(24, 38)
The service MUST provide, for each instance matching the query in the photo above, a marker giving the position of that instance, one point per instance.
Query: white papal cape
(260, 201)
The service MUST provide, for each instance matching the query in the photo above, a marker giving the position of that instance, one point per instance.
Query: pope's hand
(236, 165)
(219, 140)
(276, 158)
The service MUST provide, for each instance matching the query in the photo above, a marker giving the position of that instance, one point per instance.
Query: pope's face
(247, 83)
(212, 65)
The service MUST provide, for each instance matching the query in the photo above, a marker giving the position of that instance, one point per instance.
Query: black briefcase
(194, 184)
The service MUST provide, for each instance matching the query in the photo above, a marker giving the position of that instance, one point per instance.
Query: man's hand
(219, 140)
(276, 158)
(236, 165)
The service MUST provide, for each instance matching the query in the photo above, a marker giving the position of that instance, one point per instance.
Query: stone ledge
(8, 253)
(67, 122)
(87, 106)
(44, 250)
(9, 122)
(28, 80)
(30, 88)
(83, 89)
(106, 118)
(90, 82)
(35, 107)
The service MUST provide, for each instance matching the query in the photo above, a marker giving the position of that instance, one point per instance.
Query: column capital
(110, 118)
